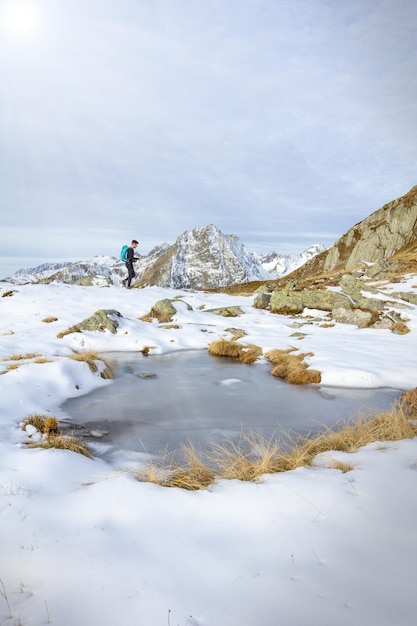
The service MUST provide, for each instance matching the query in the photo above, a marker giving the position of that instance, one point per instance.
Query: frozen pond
(156, 402)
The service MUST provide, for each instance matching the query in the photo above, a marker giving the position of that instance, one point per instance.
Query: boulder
(352, 287)
(347, 315)
(103, 319)
(227, 311)
(289, 302)
(163, 310)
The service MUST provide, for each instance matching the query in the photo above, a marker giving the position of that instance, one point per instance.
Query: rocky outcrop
(104, 319)
(370, 243)
(354, 303)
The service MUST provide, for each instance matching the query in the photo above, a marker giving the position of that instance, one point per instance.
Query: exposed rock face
(291, 302)
(356, 303)
(374, 240)
(103, 319)
(203, 258)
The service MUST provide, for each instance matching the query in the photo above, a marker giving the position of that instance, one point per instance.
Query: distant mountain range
(203, 258)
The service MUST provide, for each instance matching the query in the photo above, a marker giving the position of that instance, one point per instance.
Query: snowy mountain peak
(281, 264)
(204, 258)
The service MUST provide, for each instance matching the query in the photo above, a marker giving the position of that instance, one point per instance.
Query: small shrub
(8, 293)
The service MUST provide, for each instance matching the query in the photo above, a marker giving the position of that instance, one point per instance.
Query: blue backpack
(123, 254)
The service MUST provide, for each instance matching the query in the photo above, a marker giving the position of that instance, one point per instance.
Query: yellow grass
(90, 357)
(50, 319)
(62, 442)
(243, 353)
(253, 455)
(292, 367)
(21, 357)
(47, 425)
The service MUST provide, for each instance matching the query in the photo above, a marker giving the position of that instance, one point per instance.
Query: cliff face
(377, 238)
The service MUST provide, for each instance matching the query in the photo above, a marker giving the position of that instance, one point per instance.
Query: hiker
(130, 259)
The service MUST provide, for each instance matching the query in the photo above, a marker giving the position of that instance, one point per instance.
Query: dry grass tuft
(35, 420)
(292, 367)
(47, 425)
(21, 357)
(62, 442)
(191, 473)
(243, 353)
(253, 455)
(7, 294)
(68, 331)
(50, 319)
(342, 466)
(91, 357)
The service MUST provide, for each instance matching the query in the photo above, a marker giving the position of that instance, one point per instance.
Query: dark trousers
(131, 273)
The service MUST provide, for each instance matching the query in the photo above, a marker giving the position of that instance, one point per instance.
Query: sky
(84, 542)
(283, 122)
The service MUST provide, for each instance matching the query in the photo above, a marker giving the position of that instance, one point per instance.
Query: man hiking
(130, 259)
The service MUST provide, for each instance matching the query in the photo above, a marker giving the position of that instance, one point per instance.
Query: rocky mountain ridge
(203, 258)
(380, 245)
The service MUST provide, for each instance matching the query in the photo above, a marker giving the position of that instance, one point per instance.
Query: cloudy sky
(284, 122)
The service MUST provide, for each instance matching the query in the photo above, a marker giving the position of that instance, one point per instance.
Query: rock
(408, 296)
(347, 315)
(228, 311)
(103, 319)
(163, 310)
(290, 302)
(262, 300)
(147, 375)
(352, 287)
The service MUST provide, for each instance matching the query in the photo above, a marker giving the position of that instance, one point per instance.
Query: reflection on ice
(155, 403)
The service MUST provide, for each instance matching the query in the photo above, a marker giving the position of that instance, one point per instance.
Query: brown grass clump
(191, 473)
(50, 319)
(243, 353)
(68, 331)
(253, 455)
(90, 357)
(62, 442)
(7, 294)
(292, 368)
(21, 357)
(47, 425)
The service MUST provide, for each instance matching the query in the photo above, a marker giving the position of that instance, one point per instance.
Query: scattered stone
(98, 434)
(147, 375)
(228, 311)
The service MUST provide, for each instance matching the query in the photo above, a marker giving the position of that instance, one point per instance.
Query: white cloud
(257, 116)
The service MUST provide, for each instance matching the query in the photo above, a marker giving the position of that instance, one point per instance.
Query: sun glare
(20, 19)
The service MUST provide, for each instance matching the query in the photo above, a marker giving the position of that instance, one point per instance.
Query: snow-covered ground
(83, 543)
